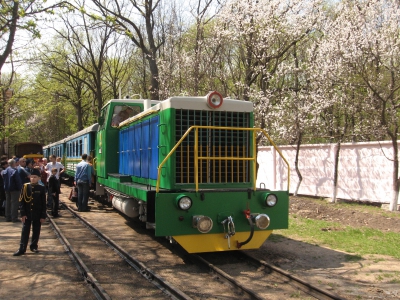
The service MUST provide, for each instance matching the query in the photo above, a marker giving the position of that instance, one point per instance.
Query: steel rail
(230, 279)
(298, 282)
(95, 286)
(139, 266)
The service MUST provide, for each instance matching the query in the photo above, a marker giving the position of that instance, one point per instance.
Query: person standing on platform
(61, 173)
(23, 174)
(12, 187)
(4, 165)
(83, 177)
(33, 212)
(29, 165)
(44, 163)
(43, 172)
(53, 164)
(54, 191)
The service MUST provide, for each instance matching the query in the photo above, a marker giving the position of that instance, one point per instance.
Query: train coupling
(229, 229)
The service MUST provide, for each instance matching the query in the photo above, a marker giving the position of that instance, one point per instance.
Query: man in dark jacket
(83, 177)
(23, 174)
(12, 187)
(3, 166)
(29, 165)
(33, 212)
(54, 190)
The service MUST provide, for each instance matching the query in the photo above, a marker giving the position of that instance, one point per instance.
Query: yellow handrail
(197, 158)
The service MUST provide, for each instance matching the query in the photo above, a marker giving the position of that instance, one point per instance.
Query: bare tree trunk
(336, 171)
(79, 117)
(154, 88)
(12, 28)
(144, 88)
(395, 195)
(99, 92)
(296, 163)
(2, 117)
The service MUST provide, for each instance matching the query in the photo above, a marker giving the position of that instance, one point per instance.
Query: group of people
(26, 184)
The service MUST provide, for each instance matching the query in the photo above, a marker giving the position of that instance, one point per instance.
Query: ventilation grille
(213, 143)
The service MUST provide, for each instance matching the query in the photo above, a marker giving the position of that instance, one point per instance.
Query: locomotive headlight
(214, 99)
(203, 223)
(271, 200)
(184, 202)
(262, 221)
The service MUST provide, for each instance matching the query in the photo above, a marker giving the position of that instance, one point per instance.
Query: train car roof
(54, 144)
(91, 128)
(134, 101)
(188, 102)
(200, 103)
(192, 103)
(24, 143)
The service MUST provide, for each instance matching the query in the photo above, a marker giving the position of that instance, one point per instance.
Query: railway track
(164, 270)
(87, 266)
(261, 287)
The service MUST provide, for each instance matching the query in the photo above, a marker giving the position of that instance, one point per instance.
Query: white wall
(365, 170)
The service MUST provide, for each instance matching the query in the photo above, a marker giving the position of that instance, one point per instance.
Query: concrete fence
(365, 170)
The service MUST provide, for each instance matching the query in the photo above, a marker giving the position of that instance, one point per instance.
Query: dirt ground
(354, 215)
(366, 277)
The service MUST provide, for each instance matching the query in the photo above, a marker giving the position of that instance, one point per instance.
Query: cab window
(123, 112)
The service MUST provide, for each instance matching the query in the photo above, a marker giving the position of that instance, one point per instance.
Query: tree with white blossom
(272, 38)
(264, 34)
(361, 50)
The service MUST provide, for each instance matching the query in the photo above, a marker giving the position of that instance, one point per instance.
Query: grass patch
(360, 241)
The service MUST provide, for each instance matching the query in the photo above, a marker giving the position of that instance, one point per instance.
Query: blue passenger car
(76, 145)
(56, 149)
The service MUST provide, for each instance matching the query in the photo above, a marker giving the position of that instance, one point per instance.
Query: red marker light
(214, 100)
(247, 213)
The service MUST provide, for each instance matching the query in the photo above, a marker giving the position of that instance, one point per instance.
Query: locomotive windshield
(123, 112)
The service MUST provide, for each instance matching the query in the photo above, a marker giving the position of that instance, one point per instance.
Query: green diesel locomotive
(185, 167)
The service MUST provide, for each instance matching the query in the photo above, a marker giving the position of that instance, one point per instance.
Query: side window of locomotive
(103, 117)
(123, 112)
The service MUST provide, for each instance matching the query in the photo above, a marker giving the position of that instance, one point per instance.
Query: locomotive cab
(113, 114)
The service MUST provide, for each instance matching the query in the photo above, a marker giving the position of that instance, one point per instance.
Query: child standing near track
(54, 190)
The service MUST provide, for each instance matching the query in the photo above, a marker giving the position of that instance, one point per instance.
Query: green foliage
(35, 114)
